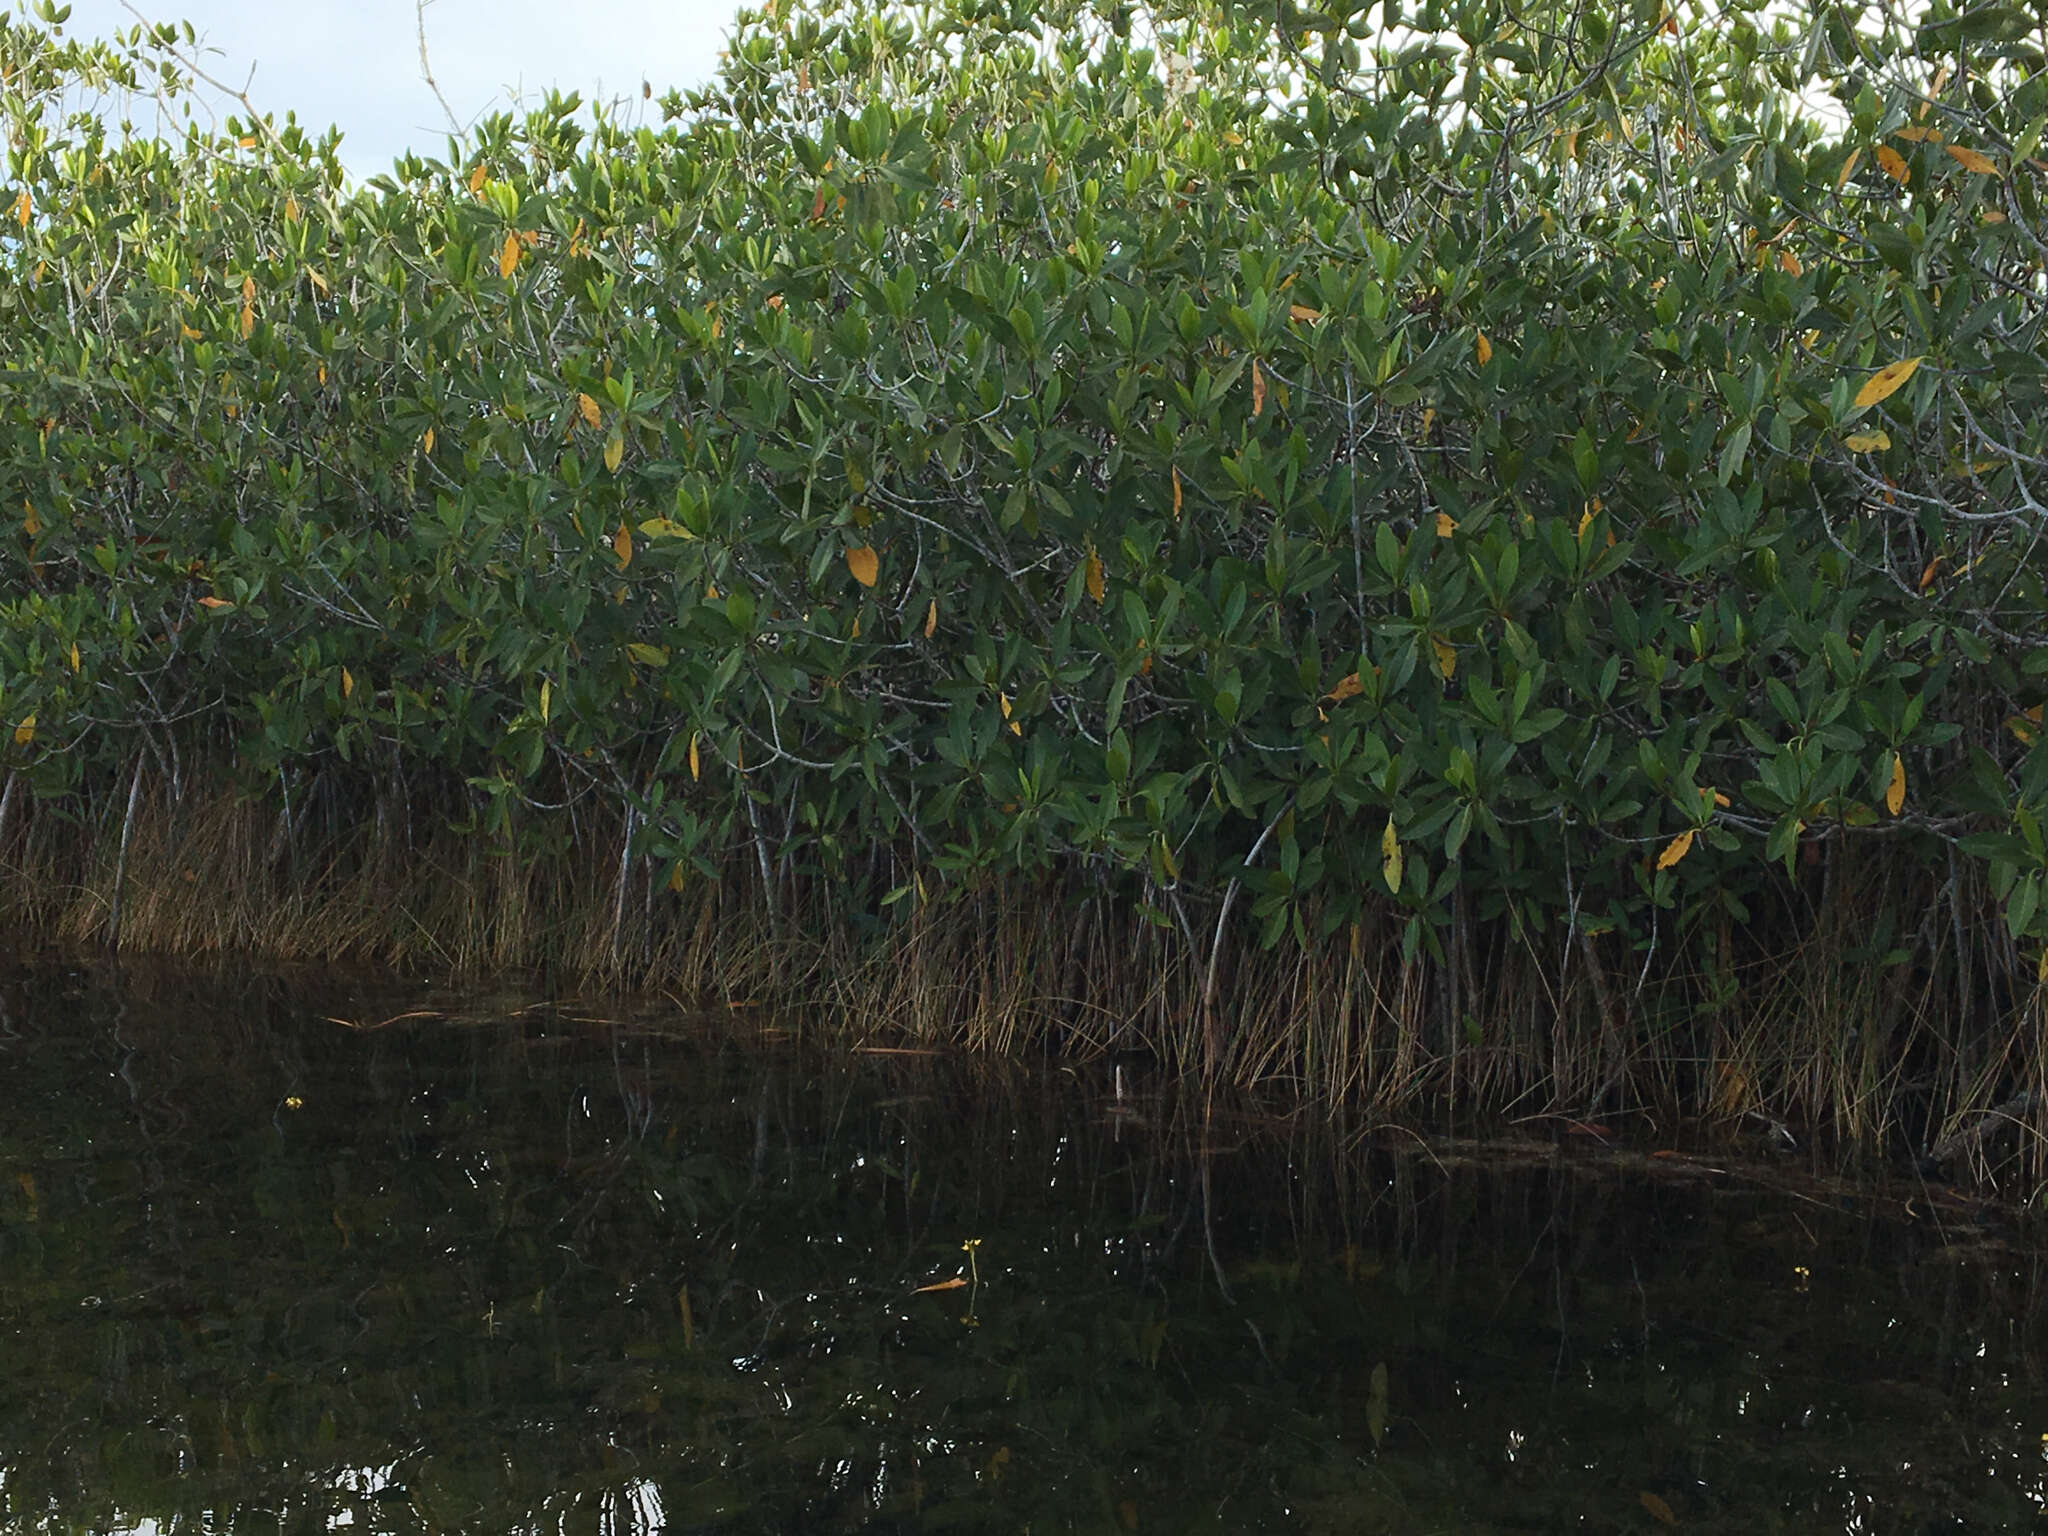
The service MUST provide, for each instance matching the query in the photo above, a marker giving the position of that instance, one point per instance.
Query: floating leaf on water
(1886, 382)
(864, 563)
(1376, 1404)
(1676, 849)
(1658, 1509)
(953, 1284)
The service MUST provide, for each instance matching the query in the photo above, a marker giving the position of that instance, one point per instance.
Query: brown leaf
(478, 177)
(215, 602)
(1659, 1510)
(954, 1284)
(1303, 313)
(1848, 166)
(1176, 493)
(865, 564)
(1348, 687)
(1971, 160)
(1258, 391)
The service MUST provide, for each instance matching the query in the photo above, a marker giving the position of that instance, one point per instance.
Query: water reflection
(513, 1269)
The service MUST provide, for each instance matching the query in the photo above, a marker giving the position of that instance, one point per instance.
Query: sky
(355, 63)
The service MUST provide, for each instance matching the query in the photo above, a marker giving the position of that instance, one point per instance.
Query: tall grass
(1820, 1020)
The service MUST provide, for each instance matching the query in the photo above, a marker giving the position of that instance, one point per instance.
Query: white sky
(355, 63)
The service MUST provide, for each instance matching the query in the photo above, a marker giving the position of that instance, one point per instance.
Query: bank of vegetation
(1440, 553)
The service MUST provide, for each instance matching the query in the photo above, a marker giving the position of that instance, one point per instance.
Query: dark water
(522, 1271)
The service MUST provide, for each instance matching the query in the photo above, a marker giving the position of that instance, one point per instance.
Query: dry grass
(1811, 1032)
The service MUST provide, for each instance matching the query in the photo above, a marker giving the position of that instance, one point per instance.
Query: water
(527, 1271)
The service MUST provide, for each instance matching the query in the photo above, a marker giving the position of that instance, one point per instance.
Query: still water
(504, 1268)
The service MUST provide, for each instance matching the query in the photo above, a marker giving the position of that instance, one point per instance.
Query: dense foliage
(1542, 472)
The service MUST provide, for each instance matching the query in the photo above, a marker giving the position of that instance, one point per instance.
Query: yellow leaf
(323, 373)
(1895, 794)
(248, 289)
(1885, 383)
(647, 655)
(508, 255)
(478, 177)
(1004, 700)
(588, 409)
(291, 209)
(622, 544)
(675, 883)
(665, 528)
(215, 602)
(1446, 525)
(1303, 313)
(348, 683)
(547, 699)
(1258, 391)
(1585, 520)
(1917, 133)
(614, 451)
(427, 440)
(931, 618)
(30, 523)
(1659, 1511)
(1096, 584)
(1676, 849)
(1348, 687)
(24, 209)
(317, 281)
(1791, 264)
(1176, 493)
(74, 655)
(1971, 160)
(1848, 166)
(1889, 161)
(1390, 858)
(1992, 216)
(1428, 416)
(695, 765)
(864, 563)
(1446, 657)
(1867, 442)
(1483, 350)
(25, 732)
(1930, 570)
(187, 332)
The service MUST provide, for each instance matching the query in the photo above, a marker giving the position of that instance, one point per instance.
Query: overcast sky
(355, 63)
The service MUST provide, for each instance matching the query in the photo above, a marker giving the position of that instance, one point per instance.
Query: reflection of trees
(449, 1293)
